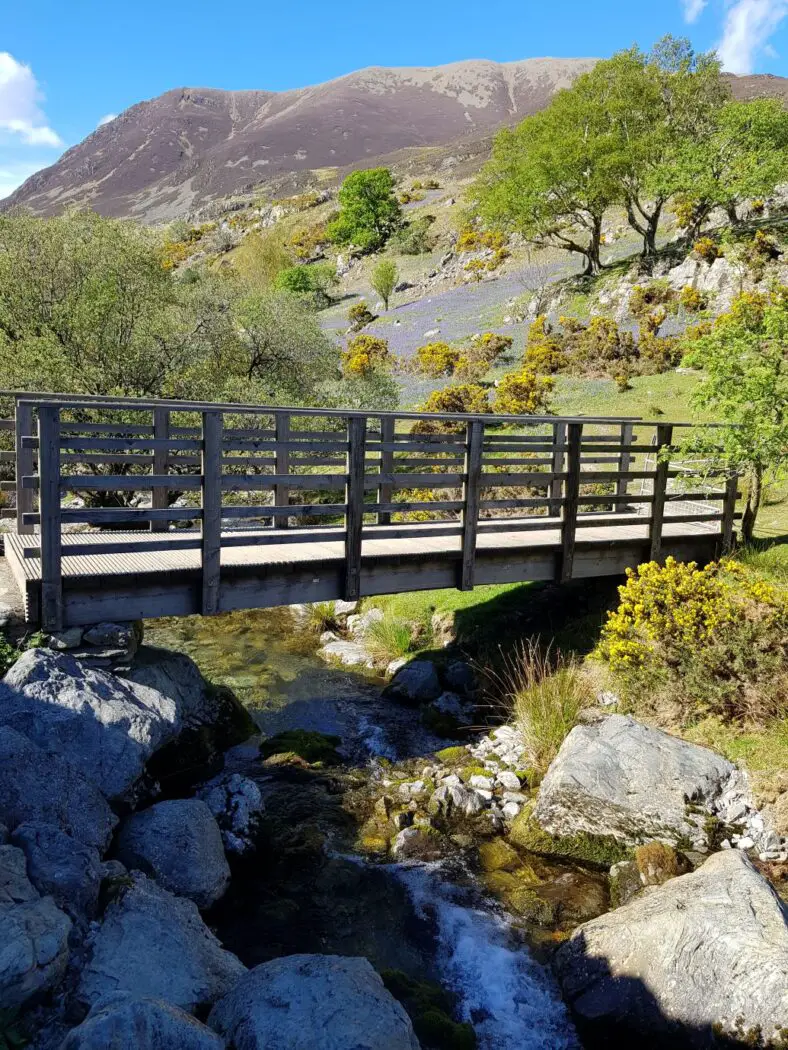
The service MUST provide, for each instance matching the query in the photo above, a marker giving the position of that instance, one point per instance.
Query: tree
(383, 279)
(745, 362)
(261, 257)
(553, 177)
(313, 280)
(369, 212)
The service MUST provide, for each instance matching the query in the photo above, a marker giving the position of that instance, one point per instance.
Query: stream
(312, 888)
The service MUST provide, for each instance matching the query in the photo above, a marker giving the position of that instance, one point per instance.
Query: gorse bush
(714, 640)
(523, 393)
(366, 354)
(359, 315)
(466, 398)
(437, 359)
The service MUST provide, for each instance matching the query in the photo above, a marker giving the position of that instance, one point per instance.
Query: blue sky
(66, 65)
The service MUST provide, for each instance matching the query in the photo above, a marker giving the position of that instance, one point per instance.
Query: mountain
(176, 153)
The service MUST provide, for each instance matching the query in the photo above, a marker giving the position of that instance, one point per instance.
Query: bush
(706, 249)
(544, 348)
(8, 655)
(360, 316)
(645, 298)
(692, 299)
(466, 398)
(476, 268)
(437, 359)
(473, 240)
(414, 237)
(366, 354)
(713, 640)
(546, 695)
(523, 393)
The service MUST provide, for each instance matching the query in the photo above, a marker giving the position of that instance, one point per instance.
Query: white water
(511, 1000)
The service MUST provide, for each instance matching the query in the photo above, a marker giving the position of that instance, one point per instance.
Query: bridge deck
(286, 567)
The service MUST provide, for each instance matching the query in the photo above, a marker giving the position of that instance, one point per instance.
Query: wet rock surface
(141, 1024)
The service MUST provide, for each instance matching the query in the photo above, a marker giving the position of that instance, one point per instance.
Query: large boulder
(621, 778)
(237, 805)
(415, 683)
(301, 1002)
(38, 785)
(105, 726)
(178, 843)
(61, 867)
(153, 944)
(704, 952)
(141, 1024)
(33, 936)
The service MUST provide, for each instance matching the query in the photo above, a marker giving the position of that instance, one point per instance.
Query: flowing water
(431, 921)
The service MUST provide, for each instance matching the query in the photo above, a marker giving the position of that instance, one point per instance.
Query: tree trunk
(733, 215)
(647, 228)
(754, 495)
(593, 260)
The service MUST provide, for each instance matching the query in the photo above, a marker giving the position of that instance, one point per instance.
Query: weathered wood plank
(282, 465)
(49, 511)
(354, 497)
(212, 511)
(387, 446)
(574, 438)
(661, 474)
(729, 514)
(25, 463)
(471, 495)
(160, 498)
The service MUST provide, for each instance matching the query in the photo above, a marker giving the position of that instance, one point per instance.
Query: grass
(420, 606)
(763, 752)
(320, 617)
(651, 397)
(388, 639)
(546, 695)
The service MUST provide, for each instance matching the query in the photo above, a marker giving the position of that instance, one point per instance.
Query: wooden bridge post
(559, 448)
(49, 511)
(729, 513)
(160, 497)
(571, 500)
(354, 498)
(23, 427)
(282, 466)
(386, 491)
(212, 426)
(664, 438)
(624, 460)
(471, 497)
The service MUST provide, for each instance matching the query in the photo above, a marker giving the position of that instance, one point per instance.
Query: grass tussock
(388, 639)
(545, 692)
(320, 617)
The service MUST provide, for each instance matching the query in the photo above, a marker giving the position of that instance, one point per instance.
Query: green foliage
(369, 211)
(414, 238)
(360, 316)
(449, 755)
(383, 279)
(388, 639)
(8, 655)
(437, 359)
(745, 383)
(366, 354)
(523, 393)
(712, 640)
(313, 280)
(706, 249)
(260, 258)
(430, 1009)
(310, 746)
(465, 398)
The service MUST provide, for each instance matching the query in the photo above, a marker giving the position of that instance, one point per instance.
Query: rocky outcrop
(415, 683)
(237, 806)
(38, 785)
(59, 866)
(617, 777)
(141, 1024)
(178, 843)
(105, 726)
(33, 936)
(706, 951)
(286, 1002)
(152, 944)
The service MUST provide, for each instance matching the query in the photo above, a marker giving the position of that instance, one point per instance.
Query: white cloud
(106, 119)
(20, 112)
(693, 9)
(748, 26)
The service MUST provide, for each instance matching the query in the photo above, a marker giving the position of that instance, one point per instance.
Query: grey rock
(508, 780)
(359, 624)
(153, 944)
(176, 677)
(416, 843)
(71, 638)
(395, 665)
(285, 1003)
(106, 727)
(453, 704)
(3, 834)
(60, 867)
(351, 654)
(343, 608)
(706, 949)
(511, 810)
(237, 806)
(619, 777)
(142, 1024)
(178, 843)
(125, 636)
(459, 677)
(38, 785)
(33, 936)
(625, 882)
(417, 682)
(6, 615)
(456, 797)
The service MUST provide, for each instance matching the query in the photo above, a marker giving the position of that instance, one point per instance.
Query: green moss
(308, 745)
(451, 754)
(498, 855)
(472, 770)
(531, 906)
(600, 851)
(430, 1008)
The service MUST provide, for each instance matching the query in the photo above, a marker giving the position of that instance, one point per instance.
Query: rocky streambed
(315, 867)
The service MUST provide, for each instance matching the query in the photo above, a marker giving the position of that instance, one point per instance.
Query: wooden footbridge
(130, 509)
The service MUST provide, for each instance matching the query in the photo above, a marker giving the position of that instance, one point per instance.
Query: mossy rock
(308, 745)
(600, 851)
(467, 772)
(439, 722)
(658, 862)
(624, 883)
(498, 855)
(528, 903)
(430, 1008)
(449, 755)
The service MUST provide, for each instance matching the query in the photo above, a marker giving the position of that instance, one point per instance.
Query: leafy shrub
(645, 298)
(602, 345)
(308, 243)
(706, 249)
(360, 316)
(466, 398)
(523, 393)
(713, 639)
(411, 197)
(431, 184)
(8, 655)
(174, 253)
(312, 280)
(414, 238)
(366, 354)
(692, 299)
(437, 359)
(383, 279)
(476, 268)
(472, 240)
(544, 348)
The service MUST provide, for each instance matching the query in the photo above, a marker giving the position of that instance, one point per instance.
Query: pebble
(515, 796)
(745, 842)
(509, 780)
(511, 810)
(485, 783)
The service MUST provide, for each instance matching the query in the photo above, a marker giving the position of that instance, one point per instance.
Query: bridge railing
(252, 475)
